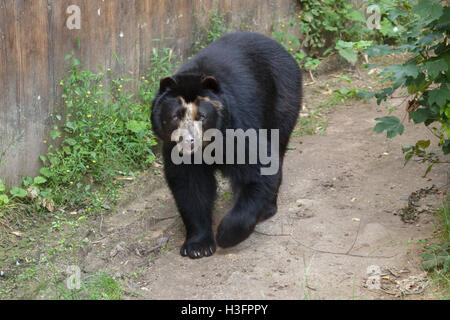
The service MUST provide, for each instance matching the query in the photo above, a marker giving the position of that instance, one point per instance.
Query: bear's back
(254, 72)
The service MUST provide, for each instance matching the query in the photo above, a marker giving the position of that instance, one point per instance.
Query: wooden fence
(35, 37)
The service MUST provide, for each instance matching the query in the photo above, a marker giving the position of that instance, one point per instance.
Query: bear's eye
(175, 117)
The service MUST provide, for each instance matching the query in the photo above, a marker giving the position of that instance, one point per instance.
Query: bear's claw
(198, 248)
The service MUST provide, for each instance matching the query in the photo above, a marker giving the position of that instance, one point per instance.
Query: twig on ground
(312, 77)
(323, 251)
(356, 238)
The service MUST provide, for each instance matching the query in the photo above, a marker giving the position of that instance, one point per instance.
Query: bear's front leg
(194, 190)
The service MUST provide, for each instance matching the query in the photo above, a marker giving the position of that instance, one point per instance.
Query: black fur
(259, 86)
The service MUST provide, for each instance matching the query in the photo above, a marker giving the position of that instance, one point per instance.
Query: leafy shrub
(329, 26)
(324, 20)
(105, 134)
(425, 76)
(292, 44)
(396, 17)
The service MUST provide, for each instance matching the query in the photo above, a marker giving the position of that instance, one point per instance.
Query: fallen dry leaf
(17, 233)
(49, 204)
(32, 193)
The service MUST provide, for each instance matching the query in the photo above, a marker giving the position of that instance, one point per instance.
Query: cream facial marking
(189, 129)
(215, 103)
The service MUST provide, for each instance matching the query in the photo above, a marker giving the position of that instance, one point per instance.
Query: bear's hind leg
(240, 222)
(269, 210)
(271, 207)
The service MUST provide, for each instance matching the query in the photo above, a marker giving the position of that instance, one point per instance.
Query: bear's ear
(166, 83)
(210, 83)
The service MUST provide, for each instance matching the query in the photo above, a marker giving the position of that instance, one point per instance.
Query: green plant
(396, 16)
(4, 199)
(321, 21)
(337, 26)
(210, 31)
(436, 256)
(162, 63)
(102, 286)
(283, 33)
(98, 286)
(425, 77)
(349, 50)
(331, 26)
(102, 135)
(105, 134)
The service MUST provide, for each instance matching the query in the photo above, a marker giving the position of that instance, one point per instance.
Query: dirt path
(336, 218)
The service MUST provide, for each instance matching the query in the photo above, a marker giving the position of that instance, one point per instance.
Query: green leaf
(408, 156)
(436, 67)
(18, 192)
(410, 70)
(407, 148)
(4, 199)
(420, 115)
(391, 125)
(2, 186)
(428, 8)
(39, 180)
(137, 126)
(70, 141)
(387, 28)
(379, 50)
(348, 54)
(423, 144)
(355, 15)
(439, 96)
(365, 94)
(399, 73)
(446, 146)
(46, 172)
(27, 181)
(75, 62)
(55, 133)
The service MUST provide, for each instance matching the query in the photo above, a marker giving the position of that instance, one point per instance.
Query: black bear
(241, 81)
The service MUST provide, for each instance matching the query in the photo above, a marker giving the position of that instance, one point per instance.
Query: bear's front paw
(197, 248)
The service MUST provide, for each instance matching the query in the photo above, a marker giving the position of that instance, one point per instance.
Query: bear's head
(185, 107)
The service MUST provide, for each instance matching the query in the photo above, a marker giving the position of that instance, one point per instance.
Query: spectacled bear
(242, 81)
